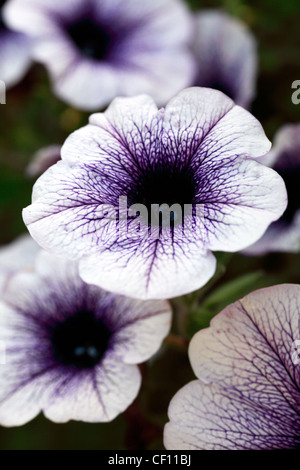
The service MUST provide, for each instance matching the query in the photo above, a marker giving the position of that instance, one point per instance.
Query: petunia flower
(20, 254)
(42, 160)
(284, 234)
(15, 51)
(197, 153)
(226, 54)
(247, 395)
(96, 50)
(72, 348)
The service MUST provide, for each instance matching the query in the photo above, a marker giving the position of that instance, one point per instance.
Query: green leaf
(233, 290)
(220, 298)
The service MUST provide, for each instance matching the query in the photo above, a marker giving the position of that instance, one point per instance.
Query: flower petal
(249, 344)
(19, 254)
(226, 55)
(212, 417)
(137, 323)
(141, 61)
(204, 121)
(42, 160)
(239, 203)
(284, 235)
(15, 57)
(247, 395)
(98, 396)
(150, 270)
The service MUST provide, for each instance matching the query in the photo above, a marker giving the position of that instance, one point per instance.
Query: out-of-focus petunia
(42, 160)
(98, 49)
(226, 55)
(15, 51)
(71, 348)
(284, 234)
(248, 392)
(198, 153)
(20, 254)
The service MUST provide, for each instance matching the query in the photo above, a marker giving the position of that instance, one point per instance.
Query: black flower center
(2, 24)
(81, 340)
(291, 177)
(168, 186)
(93, 40)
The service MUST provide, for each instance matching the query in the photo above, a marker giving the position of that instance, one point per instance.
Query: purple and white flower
(42, 160)
(247, 395)
(15, 51)
(197, 152)
(226, 55)
(72, 348)
(96, 50)
(284, 234)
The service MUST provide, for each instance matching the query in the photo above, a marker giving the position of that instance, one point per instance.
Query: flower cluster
(128, 213)
(97, 50)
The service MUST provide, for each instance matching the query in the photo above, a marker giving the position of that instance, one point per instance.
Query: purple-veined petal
(248, 381)
(212, 417)
(98, 396)
(150, 270)
(199, 150)
(38, 373)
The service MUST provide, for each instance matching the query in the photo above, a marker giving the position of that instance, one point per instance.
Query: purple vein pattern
(72, 349)
(247, 395)
(199, 150)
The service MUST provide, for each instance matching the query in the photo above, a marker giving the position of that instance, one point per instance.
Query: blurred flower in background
(248, 392)
(15, 51)
(284, 234)
(71, 348)
(226, 55)
(19, 254)
(199, 150)
(42, 160)
(98, 49)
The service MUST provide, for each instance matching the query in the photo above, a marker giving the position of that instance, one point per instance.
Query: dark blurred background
(33, 117)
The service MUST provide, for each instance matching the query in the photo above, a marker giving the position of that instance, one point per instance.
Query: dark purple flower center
(164, 186)
(81, 340)
(92, 40)
(2, 24)
(291, 177)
